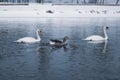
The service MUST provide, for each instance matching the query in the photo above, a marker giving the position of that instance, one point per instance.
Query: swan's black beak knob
(107, 27)
(40, 31)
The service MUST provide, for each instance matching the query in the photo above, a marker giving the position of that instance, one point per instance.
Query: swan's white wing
(94, 37)
(27, 40)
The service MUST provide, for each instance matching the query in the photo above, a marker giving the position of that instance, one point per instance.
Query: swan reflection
(105, 46)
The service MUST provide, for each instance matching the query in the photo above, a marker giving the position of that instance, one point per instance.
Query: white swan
(30, 39)
(97, 37)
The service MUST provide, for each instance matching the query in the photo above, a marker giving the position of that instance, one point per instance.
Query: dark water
(79, 60)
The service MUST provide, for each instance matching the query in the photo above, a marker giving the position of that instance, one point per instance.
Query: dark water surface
(79, 60)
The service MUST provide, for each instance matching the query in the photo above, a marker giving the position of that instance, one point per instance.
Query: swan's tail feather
(84, 39)
(15, 41)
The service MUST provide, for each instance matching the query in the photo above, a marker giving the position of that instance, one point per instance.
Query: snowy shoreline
(49, 10)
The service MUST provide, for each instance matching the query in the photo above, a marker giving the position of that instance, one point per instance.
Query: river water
(79, 60)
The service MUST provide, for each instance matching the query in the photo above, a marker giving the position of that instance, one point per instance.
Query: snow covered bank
(49, 10)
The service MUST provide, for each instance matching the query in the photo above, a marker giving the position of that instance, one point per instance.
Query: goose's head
(65, 39)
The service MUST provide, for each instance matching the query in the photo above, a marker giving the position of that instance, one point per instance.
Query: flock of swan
(55, 42)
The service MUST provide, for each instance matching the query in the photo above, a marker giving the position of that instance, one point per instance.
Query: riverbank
(50, 10)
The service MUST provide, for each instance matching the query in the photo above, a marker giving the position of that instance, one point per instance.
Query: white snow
(39, 11)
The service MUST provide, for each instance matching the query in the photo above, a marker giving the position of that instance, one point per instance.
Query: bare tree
(72, 1)
(77, 1)
(103, 2)
(40, 1)
(60, 1)
(96, 1)
(117, 2)
(84, 1)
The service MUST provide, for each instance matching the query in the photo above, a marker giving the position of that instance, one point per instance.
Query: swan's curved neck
(105, 33)
(38, 37)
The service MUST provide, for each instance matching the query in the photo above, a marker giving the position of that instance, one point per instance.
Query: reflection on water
(105, 46)
(79, 60)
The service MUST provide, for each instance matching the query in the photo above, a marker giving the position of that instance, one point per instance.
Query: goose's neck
(38, 37)
(64, 41)
(105, 33)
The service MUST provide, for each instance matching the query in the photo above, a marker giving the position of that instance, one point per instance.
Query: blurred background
(64, 1)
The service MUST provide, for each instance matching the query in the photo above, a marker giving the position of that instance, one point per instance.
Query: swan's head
(39, 31)
(106, 27)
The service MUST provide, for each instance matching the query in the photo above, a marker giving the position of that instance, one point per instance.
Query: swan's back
(27, 40)
(94, 37)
